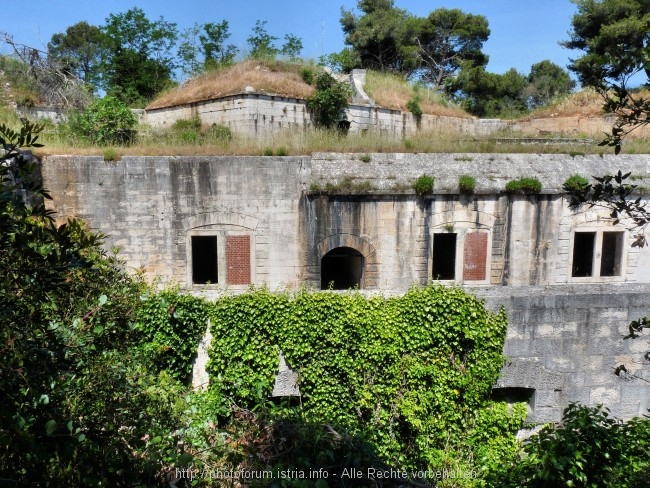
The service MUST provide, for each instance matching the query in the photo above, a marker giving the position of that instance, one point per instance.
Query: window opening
(583, 254)
(204, 260)
(610, 261)
(341, 269)
(444, 256)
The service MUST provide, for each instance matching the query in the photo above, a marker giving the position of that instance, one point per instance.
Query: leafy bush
(524, 185)
(328, 102)
(106, 121)
(575, 183)
(466, 184)
(424, 185)
(413, 106)
(307, 75)
(590, 448)
(79, 399)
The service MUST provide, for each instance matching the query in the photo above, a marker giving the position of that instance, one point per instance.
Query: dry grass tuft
(392, 91)
(272, 77)
(585, 103)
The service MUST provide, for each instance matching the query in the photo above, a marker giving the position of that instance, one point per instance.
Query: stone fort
(569, 279)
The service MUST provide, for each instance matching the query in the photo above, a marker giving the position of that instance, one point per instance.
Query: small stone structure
(569, 280)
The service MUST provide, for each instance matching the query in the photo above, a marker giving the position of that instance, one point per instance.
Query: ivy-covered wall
(412, 374)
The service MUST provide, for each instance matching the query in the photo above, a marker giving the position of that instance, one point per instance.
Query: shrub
(413, 105)
(424, 185)
(524, 185)
(590, 448)
(268, 151)
(106, 121)
(307, 75)
(282, 151)
(466, 184)
(575, 183)
(328, 102)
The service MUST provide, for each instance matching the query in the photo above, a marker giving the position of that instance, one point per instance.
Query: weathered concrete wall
(566, 331)
(566, 341)
(150, 206)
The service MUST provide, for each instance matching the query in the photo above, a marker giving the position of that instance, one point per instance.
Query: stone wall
(270, 225)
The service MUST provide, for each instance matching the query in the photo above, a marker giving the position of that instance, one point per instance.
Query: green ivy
(173, 325)
(410, 374)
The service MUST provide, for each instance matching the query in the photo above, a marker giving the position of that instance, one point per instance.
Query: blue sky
(523, 32)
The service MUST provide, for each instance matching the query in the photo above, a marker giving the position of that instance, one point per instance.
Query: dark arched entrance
(343, 267)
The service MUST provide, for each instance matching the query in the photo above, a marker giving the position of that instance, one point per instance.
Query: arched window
(342, 268)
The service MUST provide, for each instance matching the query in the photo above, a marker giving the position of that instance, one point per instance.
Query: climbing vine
(411, 374)
(172, 324)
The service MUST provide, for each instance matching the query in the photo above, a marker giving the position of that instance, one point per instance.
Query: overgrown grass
(155, 142)
(393, 91)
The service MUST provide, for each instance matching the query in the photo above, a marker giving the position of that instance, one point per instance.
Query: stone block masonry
(215, 223)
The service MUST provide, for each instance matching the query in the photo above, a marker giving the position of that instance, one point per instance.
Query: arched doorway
(342, 268)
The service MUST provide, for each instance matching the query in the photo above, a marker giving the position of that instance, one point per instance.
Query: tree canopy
(615, 38)
(387, 38)
(79, 50)
(447, 39)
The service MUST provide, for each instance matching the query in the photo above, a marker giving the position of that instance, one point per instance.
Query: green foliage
(342, 62)
(387, 38)
(407, 373)
(191, 131)
(261, 42)
(524, 185)
(466, 184)
(79, 51)
(110, 154)
(546, 82)
(413, 106)
(328, 102)
(106, 121)
(489, 94)
(308, 76)
(424, 185)
(137, 59)
(292, 47)
(575, 183)
(614, 37)
(590, 448)
(78, 398)
(172, 325)
(449, 39)
(613, 34)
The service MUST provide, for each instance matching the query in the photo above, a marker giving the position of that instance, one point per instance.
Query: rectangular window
(583, 254)
(444, 256)
(597, 254)
(610, 261)
(204, 260)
